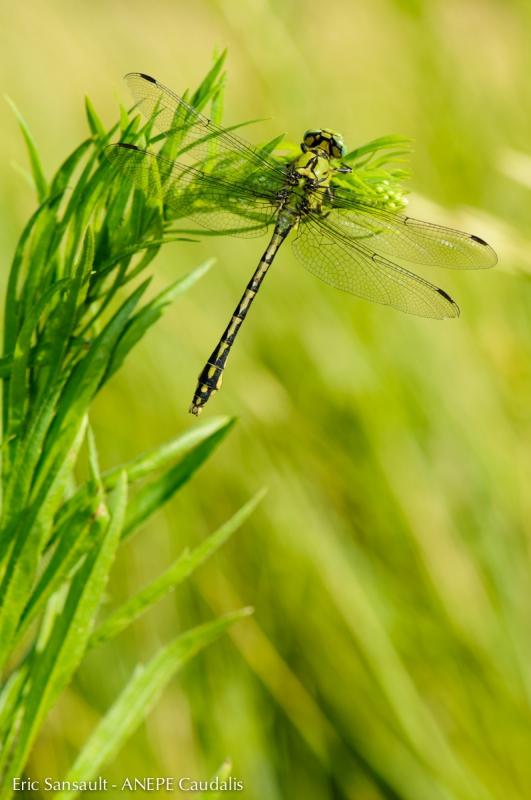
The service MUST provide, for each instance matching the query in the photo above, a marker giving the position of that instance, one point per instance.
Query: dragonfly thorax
(329, 142)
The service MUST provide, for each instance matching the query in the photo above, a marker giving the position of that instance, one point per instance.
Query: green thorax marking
(315, 173)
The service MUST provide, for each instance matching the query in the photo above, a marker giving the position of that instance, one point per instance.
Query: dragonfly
(232, 187)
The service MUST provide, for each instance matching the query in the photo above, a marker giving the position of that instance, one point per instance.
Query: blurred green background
(389, 655)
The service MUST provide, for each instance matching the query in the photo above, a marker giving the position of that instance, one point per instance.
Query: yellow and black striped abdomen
(211, 376)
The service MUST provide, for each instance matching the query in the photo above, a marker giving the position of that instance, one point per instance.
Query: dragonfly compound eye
(328, 141)
(337, 147)
(310, 139)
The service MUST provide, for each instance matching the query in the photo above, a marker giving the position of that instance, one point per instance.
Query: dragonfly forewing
(403, 237)
(197, 136)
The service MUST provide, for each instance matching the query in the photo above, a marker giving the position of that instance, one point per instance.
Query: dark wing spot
(445, 294)
(128, 146)
(478, 240)
(147, 77)
(450, 300)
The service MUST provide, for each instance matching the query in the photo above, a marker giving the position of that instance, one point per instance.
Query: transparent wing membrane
(406, 238)
(198, 135)
(354, 268)
(212, 202)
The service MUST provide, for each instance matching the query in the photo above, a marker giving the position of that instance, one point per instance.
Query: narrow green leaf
(152, 496)
(94, 465)
(56, 339)
(150, 313)
(42, 259)
(271, 146)
(12, 301)
(140, 695)
(210, 84)
(90, 189)
(81, 388)
(379, 144)
(27, 450)
(27, 535)
(93, 120)
(85, 187)
(107, 265)
(216, 104)
(124, 121)
(12, 699)
(19, 378)
(53, 666)
(26, 173)
(6, 364)
(73, 541)
(64, 173)
(172, 577)
(138, 468)
(10, 702)
(38, 175)
(156, 458)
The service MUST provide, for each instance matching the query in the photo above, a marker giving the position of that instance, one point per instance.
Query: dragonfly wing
(206, 141)
(352, 267)
(216, 204)
(409, 239)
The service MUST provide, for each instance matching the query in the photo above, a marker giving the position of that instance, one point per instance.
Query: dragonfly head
(326, 140)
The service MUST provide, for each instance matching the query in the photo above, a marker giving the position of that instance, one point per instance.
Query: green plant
(73, 314)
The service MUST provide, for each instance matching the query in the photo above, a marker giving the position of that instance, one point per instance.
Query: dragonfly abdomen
(211, 376)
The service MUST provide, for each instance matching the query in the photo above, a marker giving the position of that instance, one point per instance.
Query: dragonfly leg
(211, 376)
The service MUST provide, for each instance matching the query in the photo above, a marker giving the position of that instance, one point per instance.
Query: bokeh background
(389, 566)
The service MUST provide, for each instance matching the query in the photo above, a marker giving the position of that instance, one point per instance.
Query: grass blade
(150, 313)
(30, 533)
(140, 694)
(158, 457)
(94, 122)
(56, 659)
(159, 491)
(36, 169)
(172, 577)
